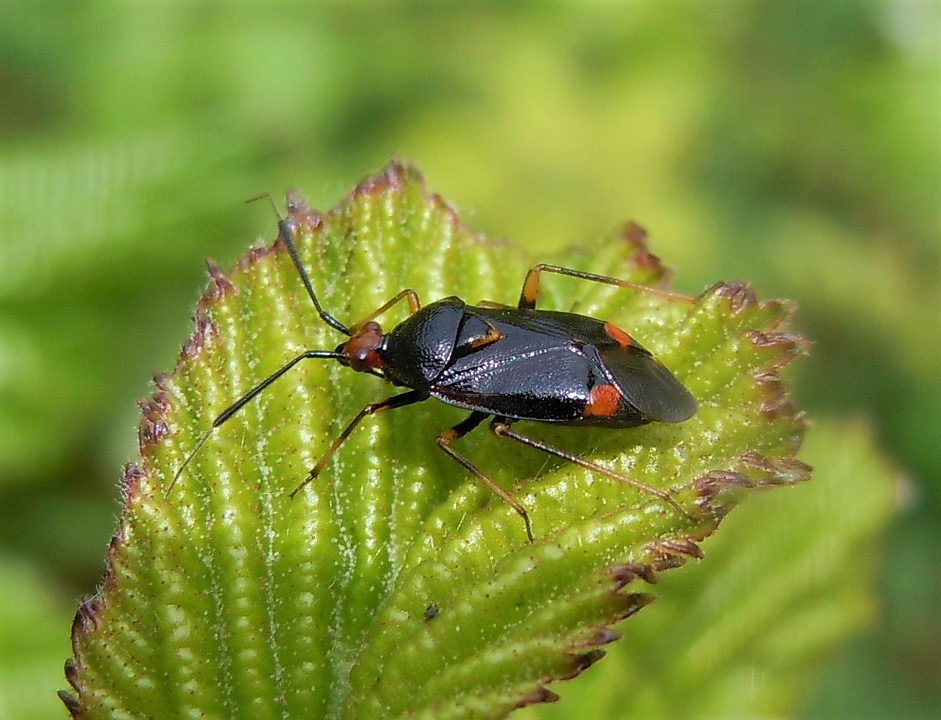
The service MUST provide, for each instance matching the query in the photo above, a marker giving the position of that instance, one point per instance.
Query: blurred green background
(796, 145)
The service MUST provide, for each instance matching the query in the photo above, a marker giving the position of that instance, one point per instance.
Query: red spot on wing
(604, 401)
(618, 335)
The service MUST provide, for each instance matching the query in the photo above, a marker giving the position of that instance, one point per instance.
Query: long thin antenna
(286, 229)
(179, 470)
(245, 399)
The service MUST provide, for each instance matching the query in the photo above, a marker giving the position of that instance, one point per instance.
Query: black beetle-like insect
(508, 363)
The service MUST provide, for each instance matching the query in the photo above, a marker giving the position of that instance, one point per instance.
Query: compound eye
(359, 352)
(363, 359)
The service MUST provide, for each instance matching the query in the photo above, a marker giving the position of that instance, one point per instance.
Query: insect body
(528, 364)
(505, 363)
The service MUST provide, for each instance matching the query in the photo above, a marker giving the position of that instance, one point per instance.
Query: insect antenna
(186, 461)
(247, 398)
(286, 229)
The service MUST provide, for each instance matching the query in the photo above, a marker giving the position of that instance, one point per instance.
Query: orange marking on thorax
(491, 337)
(618, 335)
(603, 402)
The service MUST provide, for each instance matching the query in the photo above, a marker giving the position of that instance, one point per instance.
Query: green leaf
(394, 585)
(747, 633)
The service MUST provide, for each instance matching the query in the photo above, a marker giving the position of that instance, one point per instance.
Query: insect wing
(647, 384)
(525, 374)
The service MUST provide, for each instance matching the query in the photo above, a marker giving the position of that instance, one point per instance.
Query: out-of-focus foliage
(796, 145)
(30, 638)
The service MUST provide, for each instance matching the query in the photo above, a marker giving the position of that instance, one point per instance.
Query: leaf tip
(131, 477)
(219, 283)
(628, 572)
(635, 237)
(738, 295)
(538, 695)
(86, 618)
(393, 176)
(71, 703)
(580, 662)
(598, 636)
(153, 427)
(669, 552)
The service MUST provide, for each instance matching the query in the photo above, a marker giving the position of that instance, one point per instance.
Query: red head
(360, 351)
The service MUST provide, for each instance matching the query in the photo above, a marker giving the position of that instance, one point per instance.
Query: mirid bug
(500, 362)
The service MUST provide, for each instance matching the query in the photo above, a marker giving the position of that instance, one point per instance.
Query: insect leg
(244, 400)
(501, 428)
(396, 401)
(460, 430)
(414, 305)
(530, 292)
